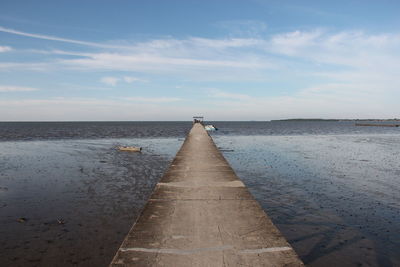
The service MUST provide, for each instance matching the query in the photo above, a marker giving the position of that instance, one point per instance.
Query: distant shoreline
(395, 119)
(168, 121)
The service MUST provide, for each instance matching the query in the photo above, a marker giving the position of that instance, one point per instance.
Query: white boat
(210, 127)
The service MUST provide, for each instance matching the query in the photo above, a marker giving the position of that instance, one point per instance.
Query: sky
(127, 60)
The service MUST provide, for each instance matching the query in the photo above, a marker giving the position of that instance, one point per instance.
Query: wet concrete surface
(201, 214)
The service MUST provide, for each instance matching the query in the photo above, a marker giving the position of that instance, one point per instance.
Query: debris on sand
(22, 220)
(130, 148)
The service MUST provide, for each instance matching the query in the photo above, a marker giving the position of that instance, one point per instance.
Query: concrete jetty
(201, 214)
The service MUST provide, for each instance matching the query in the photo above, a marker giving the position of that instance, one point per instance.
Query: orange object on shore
(130, 148)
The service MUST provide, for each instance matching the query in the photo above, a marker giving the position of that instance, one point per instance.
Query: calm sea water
(330, 187)
(92, 130)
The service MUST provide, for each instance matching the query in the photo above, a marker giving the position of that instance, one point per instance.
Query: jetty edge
(201, 214)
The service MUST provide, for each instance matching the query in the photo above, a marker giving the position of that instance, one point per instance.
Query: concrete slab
(201, 214)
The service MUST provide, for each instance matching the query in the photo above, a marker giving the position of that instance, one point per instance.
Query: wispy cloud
(251, 57)
(113, 81)
(223, 43)
(227, 95)
(110, 80)
(243, 27)
(153, 99)
(31, 66)
(340, 71)
(154, 44)
(346, 48)
(12, 88)
(143, 62)
(292, 42)
(5, 49)
(61, 108)
(342, 104)
(130, 79)
(59, 39)
(342, 48)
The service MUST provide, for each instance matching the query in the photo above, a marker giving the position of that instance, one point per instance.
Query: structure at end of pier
(201, 214)
(198, 119)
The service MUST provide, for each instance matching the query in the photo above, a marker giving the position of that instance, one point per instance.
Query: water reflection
(335, 197)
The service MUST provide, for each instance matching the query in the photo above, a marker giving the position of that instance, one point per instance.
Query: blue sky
(226, 60)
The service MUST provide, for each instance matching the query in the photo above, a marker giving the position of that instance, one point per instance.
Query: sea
(68, 197)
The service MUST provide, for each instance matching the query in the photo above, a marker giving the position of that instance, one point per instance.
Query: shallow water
(330, 187)
(72, 202)
(334, 197)
(288, 128)
(90, 130)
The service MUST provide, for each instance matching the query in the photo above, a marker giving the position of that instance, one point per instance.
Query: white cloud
(228, 95)
(12, 88)
(130, 79)
(59, 39)
(153, 44)
(113, 81)
(145, 62)
(86, 109)
(252, 59)
(191, 56)
(110, 80)
(290, 43)
(347, 48)
(325, 71)
(5, 49)
(32, 66)
(153, 99)
(306, 104)
(224, 43)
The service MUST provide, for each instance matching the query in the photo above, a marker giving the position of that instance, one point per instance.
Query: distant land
(311, 119)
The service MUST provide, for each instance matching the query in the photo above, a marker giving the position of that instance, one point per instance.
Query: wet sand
(71, 203)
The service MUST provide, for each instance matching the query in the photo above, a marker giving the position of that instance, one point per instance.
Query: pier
(201, 214)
